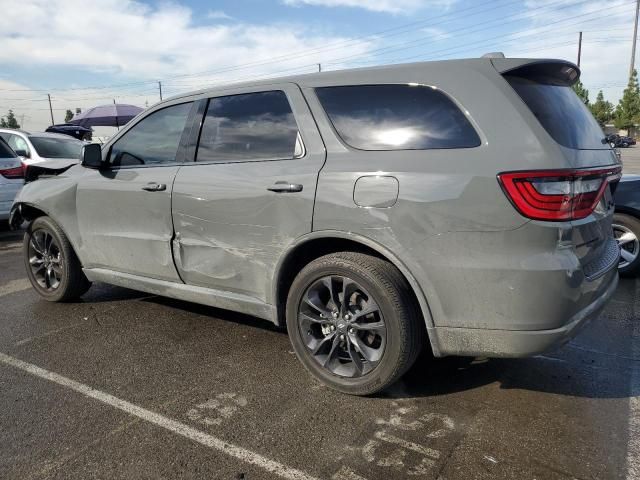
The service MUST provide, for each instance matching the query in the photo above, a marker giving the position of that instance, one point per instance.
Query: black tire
(625, 144)
(404, 331)
(72, 282)
(626, 223)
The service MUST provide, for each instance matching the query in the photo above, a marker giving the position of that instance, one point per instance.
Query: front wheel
(626, 230)
(353, 322)
(52, 266)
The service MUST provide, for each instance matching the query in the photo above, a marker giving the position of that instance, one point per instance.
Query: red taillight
(557, 195)
(14, 172)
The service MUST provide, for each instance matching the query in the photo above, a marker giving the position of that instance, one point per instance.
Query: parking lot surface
(126, 385)
(631, 159)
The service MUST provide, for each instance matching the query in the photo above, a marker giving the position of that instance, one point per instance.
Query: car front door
(124, 212)
(250, 191)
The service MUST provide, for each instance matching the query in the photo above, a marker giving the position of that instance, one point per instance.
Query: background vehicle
(626, 224)
(39, 147)
(365, 210)
(619, 141)
(11, 178)
(75, 131)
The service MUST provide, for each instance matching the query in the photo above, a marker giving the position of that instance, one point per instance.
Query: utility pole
(635, 36)
(160, 86)
(53, 122)
(579, 48)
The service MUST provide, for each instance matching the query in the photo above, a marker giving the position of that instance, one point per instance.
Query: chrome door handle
(285, 187)
(154, 187)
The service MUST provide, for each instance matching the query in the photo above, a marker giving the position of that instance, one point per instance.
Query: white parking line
(14, 286)
(160, 420)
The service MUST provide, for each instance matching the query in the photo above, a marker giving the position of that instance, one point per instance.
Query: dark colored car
(619, 141)
(626, 224)
(76, 131)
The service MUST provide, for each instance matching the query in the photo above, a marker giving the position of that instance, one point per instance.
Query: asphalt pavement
(631, 159)
(131, 386)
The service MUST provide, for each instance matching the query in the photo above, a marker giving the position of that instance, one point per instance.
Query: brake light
(557, 195)
(14, 172)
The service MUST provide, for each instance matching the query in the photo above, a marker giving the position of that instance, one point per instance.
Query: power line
(332, 46)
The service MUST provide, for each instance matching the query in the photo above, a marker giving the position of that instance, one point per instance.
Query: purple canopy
(112, 115)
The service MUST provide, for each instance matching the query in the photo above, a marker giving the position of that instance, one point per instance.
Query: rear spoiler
(547, 71)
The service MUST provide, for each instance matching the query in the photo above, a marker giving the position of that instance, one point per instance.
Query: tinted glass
(561, 113)
(5, 151)
(253, 126)
(396, 117)
(50, 147)
(153, 140)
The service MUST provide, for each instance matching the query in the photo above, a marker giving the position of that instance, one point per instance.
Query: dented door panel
(231, 230)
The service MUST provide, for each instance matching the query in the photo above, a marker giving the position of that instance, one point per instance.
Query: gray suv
(374, 212)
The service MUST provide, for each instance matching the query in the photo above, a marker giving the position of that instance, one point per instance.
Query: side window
(16, 142)
(153, 140)
(396, 117)
(252, 126)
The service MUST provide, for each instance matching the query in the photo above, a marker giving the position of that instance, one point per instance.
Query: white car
(11, 178)
(39, 147)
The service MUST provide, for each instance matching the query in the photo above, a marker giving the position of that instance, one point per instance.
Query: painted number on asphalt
(215, 410)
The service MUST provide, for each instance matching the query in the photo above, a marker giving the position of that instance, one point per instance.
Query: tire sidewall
(44, 223)
(374, 380)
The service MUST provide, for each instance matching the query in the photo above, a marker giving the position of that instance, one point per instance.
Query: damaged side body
(233, 232)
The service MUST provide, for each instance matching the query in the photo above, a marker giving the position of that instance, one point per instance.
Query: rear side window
(154, 140)
(396, 117)
(561, 112)
(252, 126)
(5, 151)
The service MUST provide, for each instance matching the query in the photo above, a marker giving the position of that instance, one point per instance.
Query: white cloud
(218, 15)
(387, 6)
(128, 38)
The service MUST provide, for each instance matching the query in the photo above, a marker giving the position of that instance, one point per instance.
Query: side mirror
(22, 153)
(92, 156)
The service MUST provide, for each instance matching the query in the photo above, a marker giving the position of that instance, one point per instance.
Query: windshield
(52, 147)
(561, 113)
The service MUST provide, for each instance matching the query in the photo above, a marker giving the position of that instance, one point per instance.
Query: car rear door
(124, 212)
(250, 191)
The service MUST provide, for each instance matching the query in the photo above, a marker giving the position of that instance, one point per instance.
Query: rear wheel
(353, 322)
(626, 230)
(52, 266)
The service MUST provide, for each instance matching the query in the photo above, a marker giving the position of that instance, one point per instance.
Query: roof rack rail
(493, 55)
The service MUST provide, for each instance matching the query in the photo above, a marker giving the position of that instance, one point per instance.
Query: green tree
(582, 92)
(10, 121)
(628, 109)
(602, 110)
(68, 116)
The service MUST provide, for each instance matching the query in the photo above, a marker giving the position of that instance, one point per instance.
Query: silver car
(35, 148)
(11, 178)
(374, 212)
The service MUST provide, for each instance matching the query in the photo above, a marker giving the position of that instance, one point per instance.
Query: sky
(87, 53)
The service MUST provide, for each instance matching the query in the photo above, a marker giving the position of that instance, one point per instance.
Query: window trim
(248, 160)
(181, 147)
(458, 105)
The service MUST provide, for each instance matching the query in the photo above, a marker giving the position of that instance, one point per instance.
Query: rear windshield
(561, 113)
(51, 147)
(396, 117)
(5, 151)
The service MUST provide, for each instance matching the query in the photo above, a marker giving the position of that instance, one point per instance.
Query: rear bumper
(519, 343)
